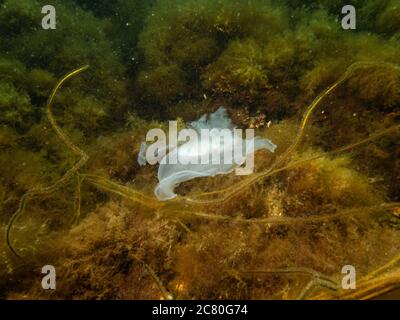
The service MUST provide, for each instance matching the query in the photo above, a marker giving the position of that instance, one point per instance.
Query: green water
(328, 197)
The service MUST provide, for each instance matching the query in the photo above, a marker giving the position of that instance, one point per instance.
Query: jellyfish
(218, 149)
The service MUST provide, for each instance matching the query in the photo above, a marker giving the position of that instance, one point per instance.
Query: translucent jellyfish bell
(194, 158)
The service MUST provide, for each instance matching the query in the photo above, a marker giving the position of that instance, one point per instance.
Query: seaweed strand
(66, 177)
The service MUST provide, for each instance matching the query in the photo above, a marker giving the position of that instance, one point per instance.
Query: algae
(75, 197)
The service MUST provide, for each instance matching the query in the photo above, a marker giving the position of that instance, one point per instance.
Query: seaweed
(49, 53)
(90, 210)
(238, 72)
(389, 20)
(15, 106)
(193, 35)
(175, 209)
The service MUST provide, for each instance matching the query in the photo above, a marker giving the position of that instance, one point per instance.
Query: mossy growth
(48, 55)
(162, 84)
(126, 23)
(389, 20)
(380, 86)
(328, 181)
(250, 52)
(15, 106)
(239, 72)
(42, 82)
(263, 60)
(188, 36)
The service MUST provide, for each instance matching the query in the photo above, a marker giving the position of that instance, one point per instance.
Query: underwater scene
(200, 149)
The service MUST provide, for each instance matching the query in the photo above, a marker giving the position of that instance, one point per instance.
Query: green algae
(143, 200)
(268, 57)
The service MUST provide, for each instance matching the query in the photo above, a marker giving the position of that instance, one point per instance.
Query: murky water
(84, 83)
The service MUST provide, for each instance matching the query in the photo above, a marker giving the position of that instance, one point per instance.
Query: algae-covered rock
(15, 105)
(378, 85)
(192, 35)
(162, 84)
(239, 72)
(79, 39)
